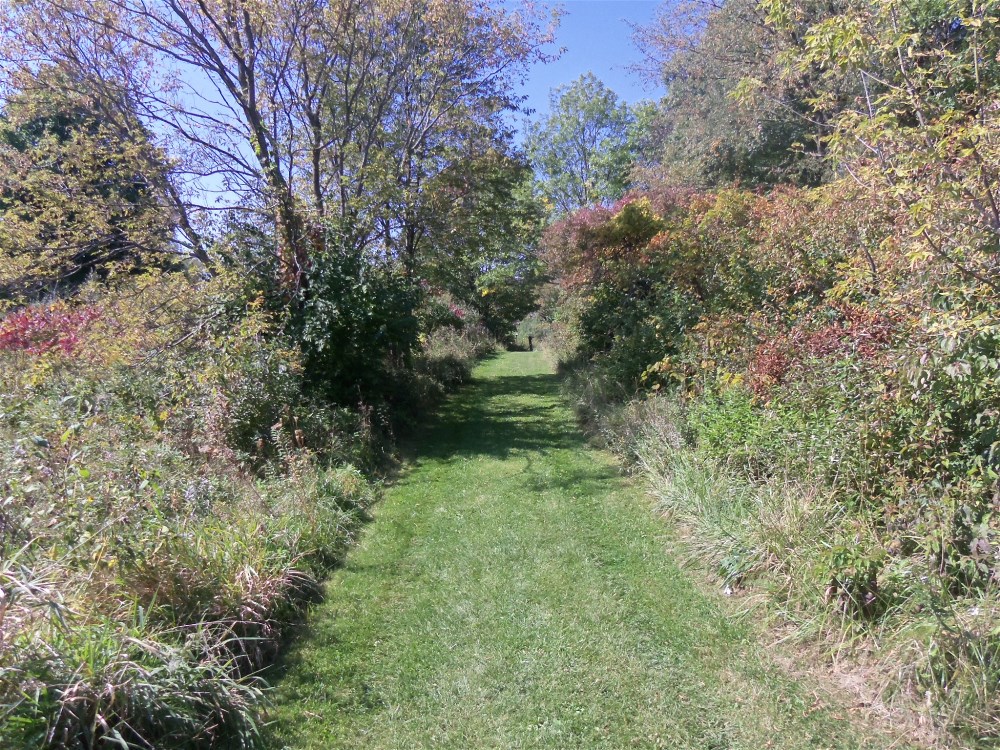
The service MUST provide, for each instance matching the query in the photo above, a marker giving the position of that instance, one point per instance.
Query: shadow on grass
(497, 417)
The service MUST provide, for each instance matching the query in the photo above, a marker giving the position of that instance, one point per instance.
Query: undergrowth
(172, 492)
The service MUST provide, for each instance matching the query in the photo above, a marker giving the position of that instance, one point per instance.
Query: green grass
(515, 591)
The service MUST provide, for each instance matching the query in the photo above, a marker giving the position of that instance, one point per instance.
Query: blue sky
(597, 38)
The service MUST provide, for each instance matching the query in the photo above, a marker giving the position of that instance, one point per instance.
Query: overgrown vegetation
(173, 492)
(808, 376)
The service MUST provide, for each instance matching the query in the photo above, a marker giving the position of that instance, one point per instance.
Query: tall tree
(580, 151)
(923, 128)
(294, 107)
(705, 52)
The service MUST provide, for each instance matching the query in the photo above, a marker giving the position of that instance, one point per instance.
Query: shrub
(171, 498)
(357, 326)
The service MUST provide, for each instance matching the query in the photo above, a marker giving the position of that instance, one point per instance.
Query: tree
(708, 135)
(486, 226)
(295, 108)
(580, 151)
(922, 129)
(77, 196)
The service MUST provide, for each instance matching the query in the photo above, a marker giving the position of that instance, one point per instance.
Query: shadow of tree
(498, 417)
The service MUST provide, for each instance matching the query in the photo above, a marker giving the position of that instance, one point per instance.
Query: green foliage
(921, 131)
(169, 508)
(485, 232)
(581, 152)
(933, 441)
(449, 354)
(624, 330)
(422, 85)
(357, 324)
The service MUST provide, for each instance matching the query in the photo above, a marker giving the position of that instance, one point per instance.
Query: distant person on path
(531, 346)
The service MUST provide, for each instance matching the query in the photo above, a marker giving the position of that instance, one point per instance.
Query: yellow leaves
(779, 13)
(922, 130)
(747, 91)
(656, 375)
(75, 192)
(633, 226)
(837, 42)
(727, 379)
(40, 371)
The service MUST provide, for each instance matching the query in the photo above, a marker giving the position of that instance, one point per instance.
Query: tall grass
(162, 648)
(449, 354)
(796, 537)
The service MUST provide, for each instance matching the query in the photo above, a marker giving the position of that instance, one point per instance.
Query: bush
(101, 682)
(171, 499)
(448, 355)
(357, 326)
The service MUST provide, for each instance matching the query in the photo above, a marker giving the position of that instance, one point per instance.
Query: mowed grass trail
(515, 591)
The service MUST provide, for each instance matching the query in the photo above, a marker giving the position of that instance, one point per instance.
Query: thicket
(810, 376)
(172, 491)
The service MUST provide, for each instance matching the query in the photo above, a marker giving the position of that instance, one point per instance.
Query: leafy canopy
(581, 151)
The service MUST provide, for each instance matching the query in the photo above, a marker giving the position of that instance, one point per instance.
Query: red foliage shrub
(39, 330)
(769, 365)
(571, 246)
(857, 330)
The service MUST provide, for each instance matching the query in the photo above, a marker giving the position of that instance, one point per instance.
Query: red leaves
(770, 364)
(856, 330)
(39, 330)
(571, 247)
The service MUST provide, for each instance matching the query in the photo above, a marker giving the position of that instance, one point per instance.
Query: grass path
(514, 592)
